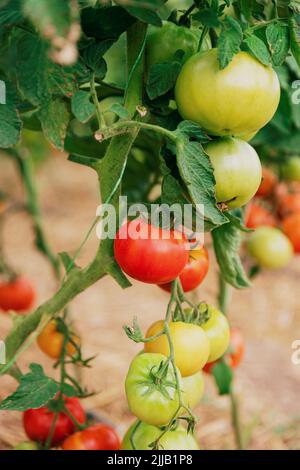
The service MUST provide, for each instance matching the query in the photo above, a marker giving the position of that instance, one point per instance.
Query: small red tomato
(150, 254)
(18, 295)
(235, 352)
(99, 437)
(256, 216)
(291, 227)
(194, 271)
(38, 422)
(268, 183)
(289, 204)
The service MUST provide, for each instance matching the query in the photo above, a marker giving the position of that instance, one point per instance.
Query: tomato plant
(51, 341)
(98, 437)
(270, 247)
(235, 352)
(217, 330)
(18, 295)
(291, 169)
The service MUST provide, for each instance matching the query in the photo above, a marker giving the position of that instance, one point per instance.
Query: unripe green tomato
(218, 332)
(163, 42)
(27, 445)
(291, 169)
(238, 100)
(270, 247)
(237, 170)
(145, 434)
(115, 59)
(193, 389)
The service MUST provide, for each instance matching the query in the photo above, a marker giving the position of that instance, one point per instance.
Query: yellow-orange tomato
(191, 345)
(51, 341)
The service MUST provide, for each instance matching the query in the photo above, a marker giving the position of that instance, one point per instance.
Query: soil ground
(267, 384)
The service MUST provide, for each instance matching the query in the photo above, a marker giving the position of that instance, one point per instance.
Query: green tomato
(239, 99)
(237, 171)
(291, 169)
(193, 389)
(151, 399)
(115, 59)
(162, 43)
(270, 247)
(218, 332)
(145, 434)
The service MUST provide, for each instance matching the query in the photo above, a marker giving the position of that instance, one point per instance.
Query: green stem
(202, 37)
(123, 127)
(99, 114)
(224, 294)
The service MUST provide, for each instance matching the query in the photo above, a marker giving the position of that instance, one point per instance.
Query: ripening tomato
(234, 354)
(289, 204)
(237, 100)
(270, 247)
(257, 215)
(193, 389)
(291, 169)
(151, 397)
(268, 183)
(51, 341)
(98, 437)
(18, 295)
(150, 254)
(291, 227)
(191, 345)
(145, 435)
(217, 330)
(38, 422)
(194, 271)
(237, 171)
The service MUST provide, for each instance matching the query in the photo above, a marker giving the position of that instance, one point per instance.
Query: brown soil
(267, 384)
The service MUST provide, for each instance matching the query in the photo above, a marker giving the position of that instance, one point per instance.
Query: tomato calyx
(158, 379)
(198, 315)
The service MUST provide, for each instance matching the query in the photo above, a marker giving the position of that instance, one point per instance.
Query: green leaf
(279, 42)
(54, 116)
(229, 41)
(193, 130)
(197, 173)
(144, 15)
(223, 376)
(105, 22)
(258, 49)
(10, 13)
(162, 78)
(295, 39)
(82, 108)
(93, 57)
(11, 124)
(246, 8)
(227, 241)
(34, 391)
(119, 110)
(207, 17)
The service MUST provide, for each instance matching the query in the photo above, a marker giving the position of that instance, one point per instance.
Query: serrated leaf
(279, 42)
(227, 241)
(54, 116)
(193, 130)
(208, 17)
(82, 108)
(229, 41)
(258, 49)
(93, 56)
(295, 39)
(11, 124)
(35, 390)
(162, 78)
(223, 376)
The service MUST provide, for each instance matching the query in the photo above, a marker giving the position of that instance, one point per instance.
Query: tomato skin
(145, 434)
(237, 100)
(291, 227)
(257, 215)
(18, 295)
(235, 352)
(194, 272)
(237, 171)
(218, 332)
(152, 407)
(151, 260)
(289, 204)
(268, 183)
(270, 247)
(191, 345)
(291, 169)
(38, 422)
(193, 389)
(98, 437)
(50, 341)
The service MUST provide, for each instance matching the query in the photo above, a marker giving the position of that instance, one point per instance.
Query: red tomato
(150, 254)
(194, 271)
(38, 423)
(99, 437)
(235, 352)
(18, 295)
(291, 227)
(289, 204)
(257, 215)
(268, 183)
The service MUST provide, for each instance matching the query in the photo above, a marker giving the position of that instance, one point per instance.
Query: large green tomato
(237, 100)
(218, 332)
(291, 169)
(145, 434)
(237, 170)
(270, 247)
(193, 389)
(163, 42)
(150, 399)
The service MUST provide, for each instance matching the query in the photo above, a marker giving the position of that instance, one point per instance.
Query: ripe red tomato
(18, 295)
(268, 183)
(38, 423)
(291, 227)
(194, 271)
(99, 437)
(257, 215)
(150, 254)
(235, 352)
(289, 204)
